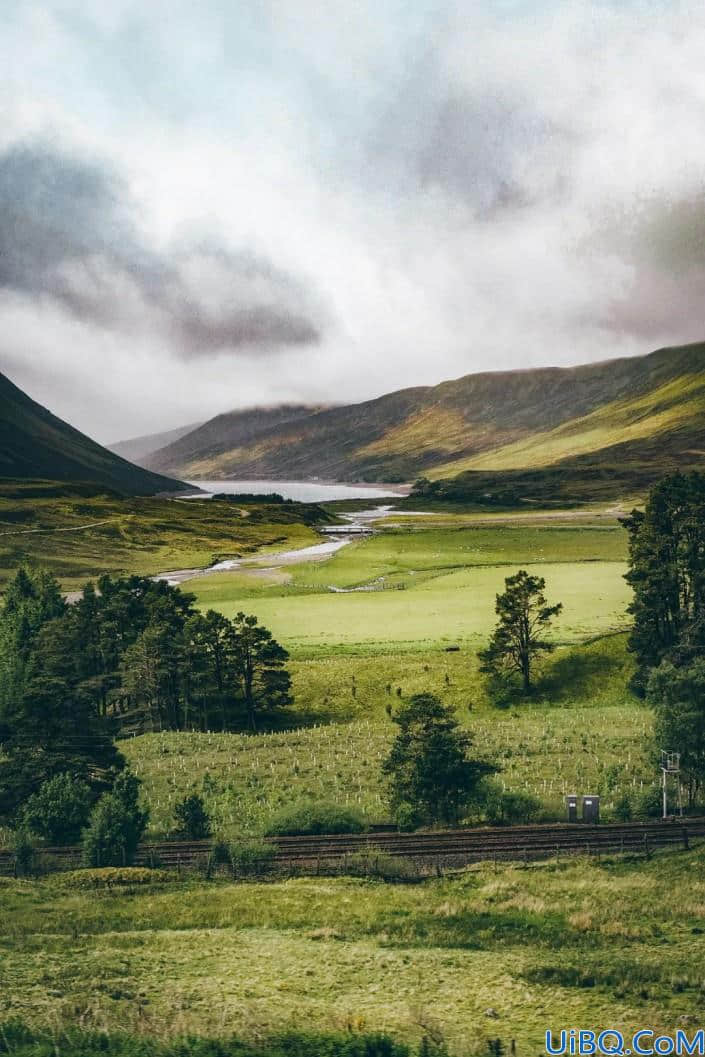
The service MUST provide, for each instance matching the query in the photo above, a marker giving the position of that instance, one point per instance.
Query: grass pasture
(438, 609)
(356, 654)
(505, 952)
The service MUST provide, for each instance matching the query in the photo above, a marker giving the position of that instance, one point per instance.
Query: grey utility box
(591, 809)
(571, 807)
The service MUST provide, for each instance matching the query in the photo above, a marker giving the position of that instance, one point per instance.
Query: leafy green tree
(677, 696)
(211, 681)
(524, 617)
(116, 825)
(428, 768)
(59, 810)
(192, 820)
(259, 665)
(667, 574)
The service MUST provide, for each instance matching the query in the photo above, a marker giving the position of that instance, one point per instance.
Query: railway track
(444, 848)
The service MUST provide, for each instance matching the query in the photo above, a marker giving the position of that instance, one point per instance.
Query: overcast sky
(214, 204)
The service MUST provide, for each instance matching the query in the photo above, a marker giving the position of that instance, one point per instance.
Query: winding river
(356, 525)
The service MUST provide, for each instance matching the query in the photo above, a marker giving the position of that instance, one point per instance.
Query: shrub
(252, 857)
(113, 876)
(505, 808)
(314, 817)
(192, 820)
(407, 818)
(376, 863)
(24, 853)
(116, 825)
(623, 810)
(59, 810)
(649, 805)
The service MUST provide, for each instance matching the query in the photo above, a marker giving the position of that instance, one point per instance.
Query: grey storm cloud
(478, 148)
(662, 242)
(67, 232)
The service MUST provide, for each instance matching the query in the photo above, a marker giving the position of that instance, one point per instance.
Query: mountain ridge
(135, 448)
(491, 421)
(36, 445)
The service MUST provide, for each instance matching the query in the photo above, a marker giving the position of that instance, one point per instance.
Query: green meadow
(354, 654)
(420, 586)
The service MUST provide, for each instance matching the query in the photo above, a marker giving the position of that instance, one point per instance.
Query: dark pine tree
(667, 574)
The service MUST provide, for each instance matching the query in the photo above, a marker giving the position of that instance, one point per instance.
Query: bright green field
(422, 547)
(492, 953)
(444, 609)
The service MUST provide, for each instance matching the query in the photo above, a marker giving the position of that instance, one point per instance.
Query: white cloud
(435, 191)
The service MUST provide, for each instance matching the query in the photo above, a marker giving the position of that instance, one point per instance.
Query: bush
(252, 857)
(24, 853)
(407, 818)
(505, 808)
(376, 863)
(113, 876)
(308, 818)
(116, 825)
(59, 810)
(649, 805)
(623, 810)
(192, 820)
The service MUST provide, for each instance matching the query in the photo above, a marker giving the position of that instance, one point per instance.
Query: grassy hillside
(582, 730)
(677, 405)
(201, 449)
(491, 422)
(80, 536)
(36, 445)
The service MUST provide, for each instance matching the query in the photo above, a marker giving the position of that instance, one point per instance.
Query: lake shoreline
(302, 490)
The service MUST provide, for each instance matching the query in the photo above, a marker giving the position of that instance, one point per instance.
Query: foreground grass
(582, 732)
(502, 952)
(20, 1041)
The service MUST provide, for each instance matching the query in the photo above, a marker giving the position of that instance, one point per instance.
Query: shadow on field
(577, 673)
(582, 674)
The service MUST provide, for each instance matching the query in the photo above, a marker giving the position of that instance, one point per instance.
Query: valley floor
(503, 953)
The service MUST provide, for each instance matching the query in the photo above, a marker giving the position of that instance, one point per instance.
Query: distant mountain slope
(136, 449)
(210, 448)
(494, 421)
(36, 445)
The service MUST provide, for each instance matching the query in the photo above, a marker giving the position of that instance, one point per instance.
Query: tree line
(667, 574)
(130, 653)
